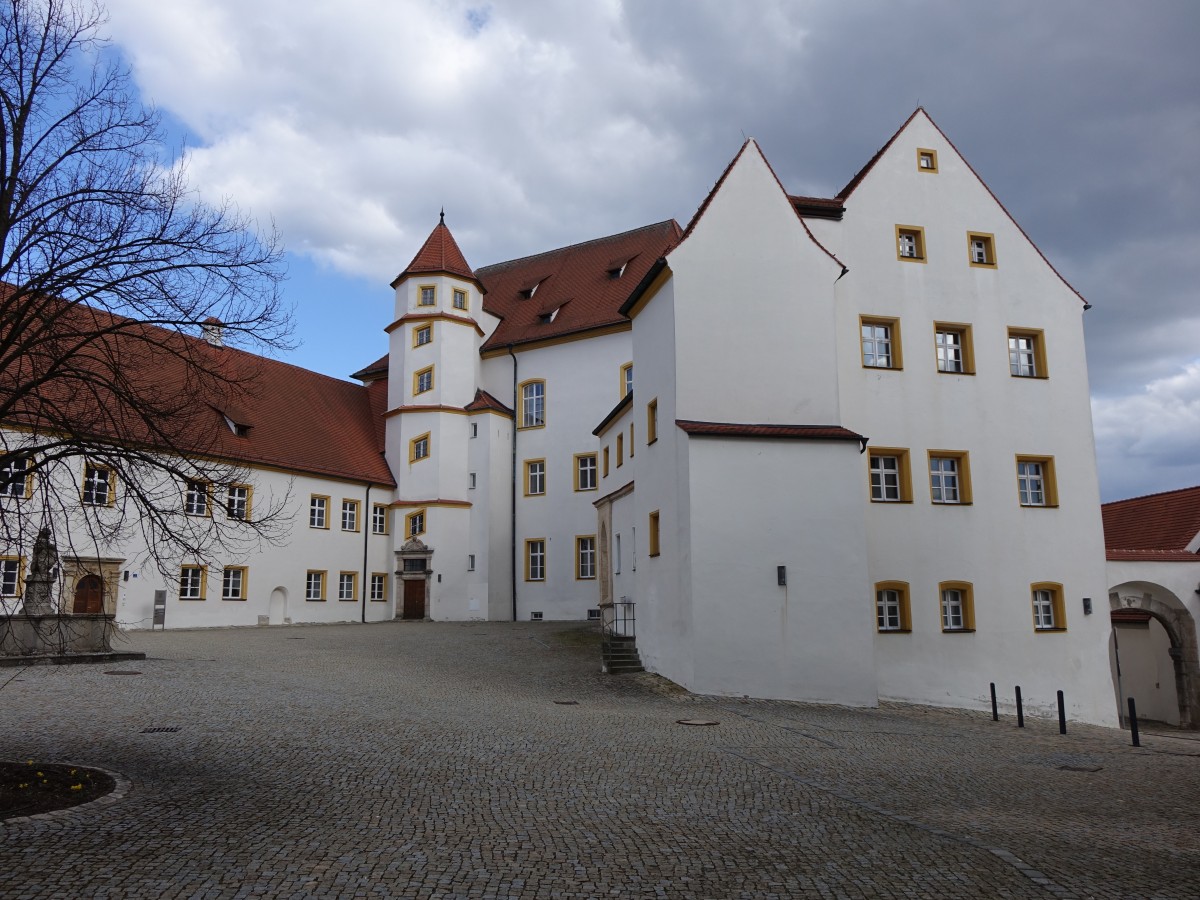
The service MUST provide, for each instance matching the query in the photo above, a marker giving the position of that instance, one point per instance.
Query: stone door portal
(89, 596)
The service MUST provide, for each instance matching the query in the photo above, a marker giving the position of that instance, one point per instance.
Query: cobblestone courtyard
(441, 760)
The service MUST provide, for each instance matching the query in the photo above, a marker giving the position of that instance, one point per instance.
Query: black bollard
(1062, 715)
(1133, 723)
(1020, 709)
(995, 712)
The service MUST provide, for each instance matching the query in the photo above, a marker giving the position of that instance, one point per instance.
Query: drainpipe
(366, 520)
(512, 550)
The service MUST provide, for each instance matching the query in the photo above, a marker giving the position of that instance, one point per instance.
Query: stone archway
(1167, 609)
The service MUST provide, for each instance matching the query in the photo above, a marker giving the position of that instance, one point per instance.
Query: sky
(542, 123)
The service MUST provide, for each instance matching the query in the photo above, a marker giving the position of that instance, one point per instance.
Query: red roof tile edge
(789, 432)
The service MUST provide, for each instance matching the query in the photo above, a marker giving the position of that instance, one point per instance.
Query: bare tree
(112, 273)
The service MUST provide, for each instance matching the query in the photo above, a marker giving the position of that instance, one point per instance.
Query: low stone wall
(55, 634)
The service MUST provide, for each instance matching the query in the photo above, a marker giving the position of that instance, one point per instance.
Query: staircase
(618, 641)
(620, 655)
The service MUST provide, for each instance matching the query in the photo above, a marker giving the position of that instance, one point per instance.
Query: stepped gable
(439, 255)
(1157, 527)
(572, 289)
(255, 411)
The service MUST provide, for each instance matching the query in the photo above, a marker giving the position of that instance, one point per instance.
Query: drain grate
(161, 729)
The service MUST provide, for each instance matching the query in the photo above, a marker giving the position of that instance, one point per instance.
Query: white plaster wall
(756, 505)
(1147, 673)
(995, 544)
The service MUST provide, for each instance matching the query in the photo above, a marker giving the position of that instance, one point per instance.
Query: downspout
(512, 550)
(367, 520)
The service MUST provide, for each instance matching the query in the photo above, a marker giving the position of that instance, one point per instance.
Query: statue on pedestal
(43, 575)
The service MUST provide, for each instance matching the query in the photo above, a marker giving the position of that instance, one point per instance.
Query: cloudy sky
(539, 123)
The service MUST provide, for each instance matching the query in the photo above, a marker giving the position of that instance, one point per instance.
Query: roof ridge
(608, 237)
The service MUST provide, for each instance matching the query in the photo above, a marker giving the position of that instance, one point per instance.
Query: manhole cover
(116, 672)
(161, 729)
(566, 702)
(696, 722)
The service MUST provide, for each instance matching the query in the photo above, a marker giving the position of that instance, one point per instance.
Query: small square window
(954, 347)
(949, 477)
(981, 249)
(890, 480)
(1026, 353)
(1036, 484)
(460, 299)
(958, 605)
(1049, 614)
(428, 295)
(423, 334)
(880, 343)
(891, 607)
(585, 472)
(318, 511)
(910, 243)
(926, 160)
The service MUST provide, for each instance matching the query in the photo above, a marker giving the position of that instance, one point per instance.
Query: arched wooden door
(89, 596)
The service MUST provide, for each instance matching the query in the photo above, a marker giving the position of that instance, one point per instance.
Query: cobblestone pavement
(443, 760)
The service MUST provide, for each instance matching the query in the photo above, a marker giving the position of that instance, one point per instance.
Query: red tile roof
(484, 401)
(440, 253)
(579, 274)
(1161, 525)
(788, 432)
(294, 419)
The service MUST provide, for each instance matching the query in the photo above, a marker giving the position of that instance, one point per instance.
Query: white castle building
(830, 449)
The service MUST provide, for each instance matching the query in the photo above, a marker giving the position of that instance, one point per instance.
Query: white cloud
(1148, 442)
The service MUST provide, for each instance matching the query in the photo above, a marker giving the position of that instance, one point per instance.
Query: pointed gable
(438, 255)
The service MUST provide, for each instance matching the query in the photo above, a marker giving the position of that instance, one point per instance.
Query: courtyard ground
(494, 760)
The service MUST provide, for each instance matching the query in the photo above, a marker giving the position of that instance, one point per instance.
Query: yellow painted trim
(528, 473)
(357, 515)
(520, 413)
(1049, 481)
(595, 471)
(654, 535)
(111, 495)
(454, 295)
(651, 421)
(545, 558)
(417, 329)
(586, 334)
(371, 591)
(901, 588)
(387, 518)
(421, 288)
(655, 286)
(622, 390)
(203, 583)
(1039, 351)
(416, 380)
(353, 598)
(20, 587)
(968, 605)
(324, 582)
(966, 339)
(1056, 601)
(324, 517)
(245, 570)
(918, 234)
(412, 448)
(930, 169)
(579, 557)
(989, 249)
(408, 523)
(892, 323)
(963, 458)
(901, 454)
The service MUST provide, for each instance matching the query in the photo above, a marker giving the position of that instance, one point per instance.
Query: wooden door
(89, 596)
(414, 598)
